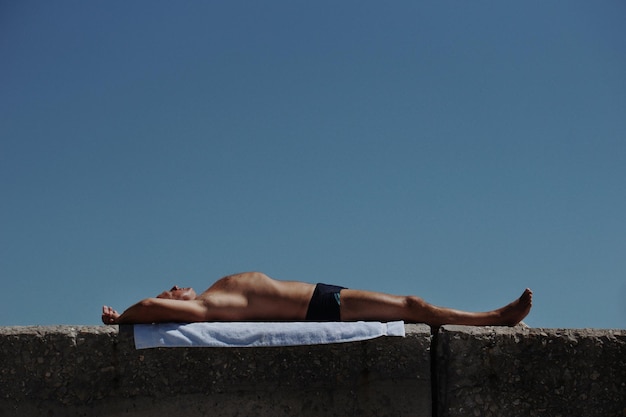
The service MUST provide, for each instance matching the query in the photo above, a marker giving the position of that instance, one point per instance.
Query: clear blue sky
(460, 151)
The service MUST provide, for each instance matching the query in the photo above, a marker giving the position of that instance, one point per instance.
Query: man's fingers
(108, 310)
(108, 315)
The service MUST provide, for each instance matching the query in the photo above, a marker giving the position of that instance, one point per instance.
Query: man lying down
(253, 296)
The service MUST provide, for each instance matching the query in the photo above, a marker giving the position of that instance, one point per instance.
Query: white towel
(256, 334)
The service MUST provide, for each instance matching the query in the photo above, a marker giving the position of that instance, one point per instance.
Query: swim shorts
(324, 304)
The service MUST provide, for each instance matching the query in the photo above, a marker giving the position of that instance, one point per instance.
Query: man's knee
(413, 303)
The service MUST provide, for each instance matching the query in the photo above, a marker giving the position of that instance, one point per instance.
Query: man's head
(177, 293)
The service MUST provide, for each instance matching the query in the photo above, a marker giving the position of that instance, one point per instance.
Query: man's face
(177, 293)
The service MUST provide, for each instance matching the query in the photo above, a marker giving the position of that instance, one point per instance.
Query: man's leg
(367, 305)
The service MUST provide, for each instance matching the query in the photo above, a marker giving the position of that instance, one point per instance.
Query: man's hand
(109, 316)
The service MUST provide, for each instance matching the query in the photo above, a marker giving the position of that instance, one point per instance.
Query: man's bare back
(253, 296)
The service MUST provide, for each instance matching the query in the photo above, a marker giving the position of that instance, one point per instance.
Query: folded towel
(255, 334)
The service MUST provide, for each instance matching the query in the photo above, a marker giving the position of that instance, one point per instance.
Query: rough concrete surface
(471, 371)
(96, 371)
(495, 371)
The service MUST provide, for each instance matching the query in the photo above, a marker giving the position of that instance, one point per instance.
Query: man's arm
(157, 310)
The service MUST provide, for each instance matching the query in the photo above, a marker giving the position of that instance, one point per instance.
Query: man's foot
(513, 313)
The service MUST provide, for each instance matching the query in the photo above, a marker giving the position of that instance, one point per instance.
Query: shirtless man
(253, 296)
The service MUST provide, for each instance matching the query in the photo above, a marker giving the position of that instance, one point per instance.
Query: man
(253, 296)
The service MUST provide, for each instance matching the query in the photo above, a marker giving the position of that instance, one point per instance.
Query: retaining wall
(457, 371)
(495, 371)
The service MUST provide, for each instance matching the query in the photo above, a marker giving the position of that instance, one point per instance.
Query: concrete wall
(459, 371)
(530, 372)
(94, 371)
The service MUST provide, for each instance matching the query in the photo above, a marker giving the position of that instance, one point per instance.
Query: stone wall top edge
(419, 329)
(62, 328)
(409, 328)
(521, 330)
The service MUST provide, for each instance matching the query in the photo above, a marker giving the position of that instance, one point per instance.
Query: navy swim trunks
(324, 304)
